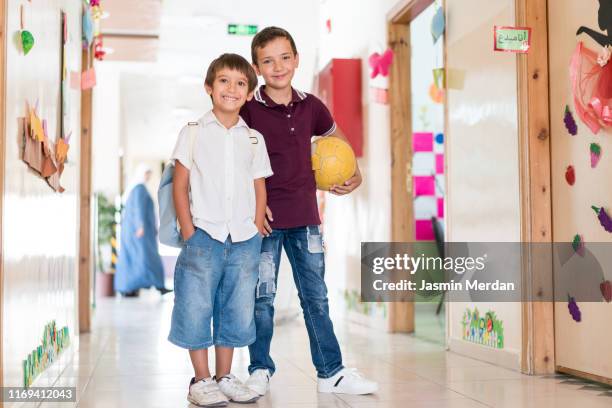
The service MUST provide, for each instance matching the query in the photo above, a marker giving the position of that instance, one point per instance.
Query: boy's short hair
(234, 62)
(268, 34)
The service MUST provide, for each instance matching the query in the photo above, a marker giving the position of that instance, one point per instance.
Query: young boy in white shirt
(223, 171)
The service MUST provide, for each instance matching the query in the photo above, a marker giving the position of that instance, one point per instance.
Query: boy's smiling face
(276, 63)
(230, 90)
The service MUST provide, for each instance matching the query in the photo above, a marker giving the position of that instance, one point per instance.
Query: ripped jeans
(304, 248)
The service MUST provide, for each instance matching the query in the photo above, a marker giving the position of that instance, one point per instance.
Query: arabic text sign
(512, 39)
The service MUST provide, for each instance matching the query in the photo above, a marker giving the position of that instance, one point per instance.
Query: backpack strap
(193, 134)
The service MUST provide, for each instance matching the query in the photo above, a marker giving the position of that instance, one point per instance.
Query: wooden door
(581, 348)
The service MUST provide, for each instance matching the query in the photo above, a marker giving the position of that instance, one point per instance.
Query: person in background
(139, 265)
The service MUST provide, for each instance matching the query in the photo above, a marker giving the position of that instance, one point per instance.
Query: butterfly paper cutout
(380, 63)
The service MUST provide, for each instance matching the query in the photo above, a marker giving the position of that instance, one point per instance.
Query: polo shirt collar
(262, 97)
(209, 117)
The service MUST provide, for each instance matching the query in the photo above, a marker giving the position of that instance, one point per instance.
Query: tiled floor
(127, 362)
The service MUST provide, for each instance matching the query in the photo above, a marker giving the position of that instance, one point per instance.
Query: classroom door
(581, 347)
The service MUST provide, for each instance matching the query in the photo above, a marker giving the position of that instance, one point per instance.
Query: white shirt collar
(209, 117)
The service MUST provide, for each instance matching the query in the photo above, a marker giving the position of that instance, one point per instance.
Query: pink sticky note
(440, 208)
(88, 79)
(424, 186)
(424, 230)
(439, 164)
(422, 142)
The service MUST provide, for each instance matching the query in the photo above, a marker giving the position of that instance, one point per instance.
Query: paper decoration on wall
(39, 153)
(487, 330)
(439, 164)
(379, 95)
(578, 245)
(570, 175)
(606, 290)
(53, 342)
(437, 25)
(26, 37)
(424, 230)
(88, 78)
(573, 308)
(353, 303)
(424, 186)
(380, 63)
(27, 41)
(328, 25)
(65, 82)
(436, 94)
(455, 78)
(603, 217)
(595, 151)
(512, 39)
(591, 89)
(604, 56)
(439, 77)
(428, 183)
(570, 123)
(440, 138)
(604, 19)
(422, 142)
(99, 52)
(88, 26)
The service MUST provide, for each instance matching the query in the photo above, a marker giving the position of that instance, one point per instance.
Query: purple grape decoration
(573, 308)
(570, 123)
(603, 217)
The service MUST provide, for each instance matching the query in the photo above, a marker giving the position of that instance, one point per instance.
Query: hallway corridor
(127, 362)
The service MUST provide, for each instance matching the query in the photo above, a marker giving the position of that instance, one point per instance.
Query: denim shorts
(215, 281)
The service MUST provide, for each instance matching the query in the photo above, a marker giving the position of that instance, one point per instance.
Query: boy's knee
(316, 305)
(266, 284)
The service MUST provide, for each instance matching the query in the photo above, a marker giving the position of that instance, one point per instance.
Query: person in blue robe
(139, 265)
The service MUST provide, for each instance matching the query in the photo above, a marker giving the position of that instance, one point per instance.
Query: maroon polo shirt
(287, 130)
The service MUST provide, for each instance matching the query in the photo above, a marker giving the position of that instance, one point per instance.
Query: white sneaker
(347, 381)
(236, 391)
(206, 393)
(259, 381)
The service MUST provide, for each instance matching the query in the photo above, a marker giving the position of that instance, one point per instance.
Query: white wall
(365, 214)
(39, 226)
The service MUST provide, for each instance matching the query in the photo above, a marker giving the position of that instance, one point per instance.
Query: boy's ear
(250, 96)
(256, 68)
(208, 89)
(297, 60)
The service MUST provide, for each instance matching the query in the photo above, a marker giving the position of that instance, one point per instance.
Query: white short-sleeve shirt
(225, 163)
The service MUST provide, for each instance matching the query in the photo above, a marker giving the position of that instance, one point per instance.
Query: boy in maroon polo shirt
(288, 118)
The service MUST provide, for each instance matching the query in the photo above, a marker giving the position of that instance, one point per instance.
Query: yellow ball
(333, 162)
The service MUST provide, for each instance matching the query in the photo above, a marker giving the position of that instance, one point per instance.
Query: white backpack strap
(254, 141)
(193, 134)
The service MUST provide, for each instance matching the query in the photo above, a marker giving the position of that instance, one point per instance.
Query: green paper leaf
(595, 148)
(576, 243)
(27, 41)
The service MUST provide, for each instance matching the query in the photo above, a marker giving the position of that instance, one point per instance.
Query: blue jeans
(304, 248)
(214, 281)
